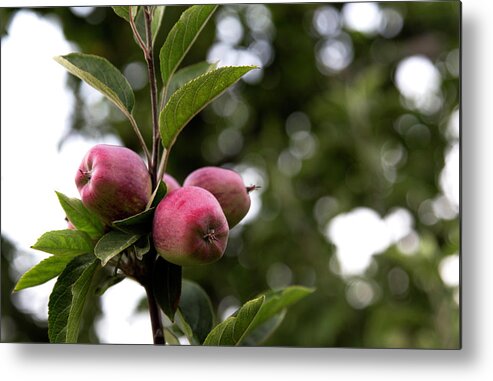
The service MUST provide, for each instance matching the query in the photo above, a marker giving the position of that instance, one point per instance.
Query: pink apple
(228, 188)
(170, 182)
(113, 182)
(70, 225)
(189, 227)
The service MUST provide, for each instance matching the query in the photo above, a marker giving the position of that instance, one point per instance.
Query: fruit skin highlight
(228, 188)
(113, 182)
(189, 227)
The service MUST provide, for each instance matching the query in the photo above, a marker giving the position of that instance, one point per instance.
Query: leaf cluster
(125, 246)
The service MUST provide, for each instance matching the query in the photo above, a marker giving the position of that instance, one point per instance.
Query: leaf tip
(58, 59)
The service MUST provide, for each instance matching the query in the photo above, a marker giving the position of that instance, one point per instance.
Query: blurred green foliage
(317, 139)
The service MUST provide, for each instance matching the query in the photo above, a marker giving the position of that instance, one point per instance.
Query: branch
(154, 95)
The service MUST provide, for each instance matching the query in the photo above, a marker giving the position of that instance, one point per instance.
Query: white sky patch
(229, 30)
(327, 21)
(362, 17)
(253, 176)
(453, 126)
(35, 115)
(119, 323)
(362, 233)
(418, 80)
(449, 177)
(449, 270)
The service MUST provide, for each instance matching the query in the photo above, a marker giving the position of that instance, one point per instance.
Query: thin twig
(135, 31)
(136, 129)
(156, 140)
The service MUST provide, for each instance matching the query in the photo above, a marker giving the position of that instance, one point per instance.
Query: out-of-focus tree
(348, 128)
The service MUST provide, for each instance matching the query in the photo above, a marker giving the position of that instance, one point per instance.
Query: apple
(113, 182)
(228, 188)
(171, 183)
(70, 225)
(189, 227)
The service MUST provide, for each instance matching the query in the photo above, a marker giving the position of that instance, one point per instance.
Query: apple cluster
(191, 223)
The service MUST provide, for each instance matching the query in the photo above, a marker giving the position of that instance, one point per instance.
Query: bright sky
(36, 107)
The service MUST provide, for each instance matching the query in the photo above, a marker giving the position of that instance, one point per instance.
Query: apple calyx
(210, 236)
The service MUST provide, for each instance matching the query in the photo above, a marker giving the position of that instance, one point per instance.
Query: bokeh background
(350, 127)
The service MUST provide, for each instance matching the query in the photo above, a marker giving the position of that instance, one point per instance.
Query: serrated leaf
(276, 301)
(166, 281)
(187, 74)
(68, 298)
(45, 270)
(197, 312)
(181, 38)
(99, 73)
(138, 223)
(64, 242)
(234, 328)
(157, 19)
(190, 99)
(81, 217)
(112, 244)
(261, 333)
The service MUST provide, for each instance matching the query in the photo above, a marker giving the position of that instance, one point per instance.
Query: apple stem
(86, 174)
(252, 188)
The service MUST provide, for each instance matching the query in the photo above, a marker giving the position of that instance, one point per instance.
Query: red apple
(171, 183)
(189, 227)
(70, 225)
(113, 182)
(228, 188)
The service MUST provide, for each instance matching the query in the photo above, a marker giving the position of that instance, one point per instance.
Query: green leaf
(140, 22)
(103, 76)
(123, 12)
(68, 298)
(182, 325)
(81, 217)
(181, 38)
(188, 73)
(64, 242)
(45, 270)
(160, 193)
(108, 282)
(276, 301)
(166, 281)
(170, 337)
(157, 19)
(234, 328)
(190, 99)
(138, 223)
(142, 246)
(261, 333)
(112, 244)
(196, 311)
